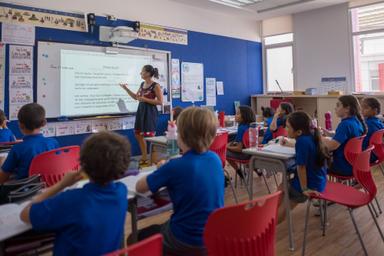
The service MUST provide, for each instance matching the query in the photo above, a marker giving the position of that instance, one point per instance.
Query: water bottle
(253, 135)
(171, 135)
(328, 121)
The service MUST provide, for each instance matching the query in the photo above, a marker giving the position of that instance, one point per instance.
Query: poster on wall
(192, 82)
(20, 78)
(17, 34)
(210, 85)
(2, 74)
(175, 78)
(163, 34)
(17, 14)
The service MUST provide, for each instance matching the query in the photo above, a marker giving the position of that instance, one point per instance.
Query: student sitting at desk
(6, 135)
(244, 117)
(311, 155)
(352, 125)
(370, 108)
(268, 117)
(280, 116)
(31, 118)
(195, 183)
(89, 220)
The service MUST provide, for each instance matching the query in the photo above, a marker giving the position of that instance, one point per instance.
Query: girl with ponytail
(311, 156)
(352, 125)
(149, 96)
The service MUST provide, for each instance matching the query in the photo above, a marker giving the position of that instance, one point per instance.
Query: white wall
(322, 46)
(277, 25)
(164, 12)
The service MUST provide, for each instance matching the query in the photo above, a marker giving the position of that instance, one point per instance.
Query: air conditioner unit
(121, 34)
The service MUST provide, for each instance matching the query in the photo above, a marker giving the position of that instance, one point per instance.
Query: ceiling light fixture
(236, 3)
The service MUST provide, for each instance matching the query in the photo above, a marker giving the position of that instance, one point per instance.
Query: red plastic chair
(376, 140)
(281, 131)
(152, 246)
(253, 232)
(53, 165)
(349, 196)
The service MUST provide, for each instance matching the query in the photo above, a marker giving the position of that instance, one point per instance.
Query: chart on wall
(192, 82)
(82, 80)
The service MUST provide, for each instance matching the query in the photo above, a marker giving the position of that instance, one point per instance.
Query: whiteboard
(52, 82)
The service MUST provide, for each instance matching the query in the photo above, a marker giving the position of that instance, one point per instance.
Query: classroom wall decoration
(2, 74)
(175, 78)
(18, 34)
(192, 82)
(163, 34)
(20, 78)
(11, 13)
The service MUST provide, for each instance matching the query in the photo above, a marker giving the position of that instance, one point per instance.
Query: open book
(10, 222)
(277, 148)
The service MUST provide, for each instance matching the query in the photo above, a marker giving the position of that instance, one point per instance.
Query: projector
(121, 34)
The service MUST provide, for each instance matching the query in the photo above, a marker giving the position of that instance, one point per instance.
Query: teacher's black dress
(146, 115)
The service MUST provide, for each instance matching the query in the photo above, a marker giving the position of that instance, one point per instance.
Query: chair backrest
(362, 172)
(52, 165)
(245, 229)
(376, 140)
(152, 246)
(353, 148)
(281, 131)
(246, 139)
(219, 146)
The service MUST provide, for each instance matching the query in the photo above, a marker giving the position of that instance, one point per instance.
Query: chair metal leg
(321, 208)
(274, 176)
(378, 205)
(374, 209)
(306, 227)
(325, 217)
(381, 169)
(357, 231)
(231, 185)
(377, 224)
(266, 183)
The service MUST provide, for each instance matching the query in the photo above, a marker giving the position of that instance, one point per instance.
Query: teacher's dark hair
(154, 72)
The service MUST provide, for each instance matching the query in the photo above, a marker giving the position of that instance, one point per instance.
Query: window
(279, 62)
(368, 47)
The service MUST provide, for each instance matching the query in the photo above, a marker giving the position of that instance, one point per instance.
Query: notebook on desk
(277, 148)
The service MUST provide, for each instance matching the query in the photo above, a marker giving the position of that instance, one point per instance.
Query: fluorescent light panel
(236, 3)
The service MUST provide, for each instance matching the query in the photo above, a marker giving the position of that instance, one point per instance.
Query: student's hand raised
(70, 179)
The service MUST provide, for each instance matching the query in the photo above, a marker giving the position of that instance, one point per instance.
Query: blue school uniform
(6, 135)
(241, 129)
(348, 128)
(86, 221)
(373, 124)
(195, 183)
(268, 134)
(306, 154)
(21, 155)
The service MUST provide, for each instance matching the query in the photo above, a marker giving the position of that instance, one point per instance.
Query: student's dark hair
(2, 117)
(267, 112)
(373, 103)
(32, 116)
(176, 112)
(154, 72)
(105, 156)
(301, 121)
(247, 115)
(287, 107)
(354, 108)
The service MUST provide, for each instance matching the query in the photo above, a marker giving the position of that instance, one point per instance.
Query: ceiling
(265, 8)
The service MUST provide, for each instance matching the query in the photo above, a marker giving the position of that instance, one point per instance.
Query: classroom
(204, 127)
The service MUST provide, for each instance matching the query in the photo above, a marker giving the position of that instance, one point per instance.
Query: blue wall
(236, 62)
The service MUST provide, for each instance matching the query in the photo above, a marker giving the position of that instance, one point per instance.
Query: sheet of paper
(49, 130)
(130, 181)
(220, 88)
(192, 82)
(175, 78)
(82, 127)
(210, 86)
(128, 122)
(10, 223)
(115, 124)
(2, 75)
(18, 34)
(100, 125)
(65, 128)
(277, 148)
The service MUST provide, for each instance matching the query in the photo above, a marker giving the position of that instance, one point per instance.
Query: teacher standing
(149, 96)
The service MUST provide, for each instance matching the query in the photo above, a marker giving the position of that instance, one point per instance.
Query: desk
(261, 159)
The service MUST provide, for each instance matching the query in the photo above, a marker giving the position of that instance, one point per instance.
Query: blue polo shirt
(373, 124)
(21, 155)
(86, 221)
(6, 135)
(306, 154)
(348, 128)
(268, 134)
(280, 122)
(241, 129)
(195, 183)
